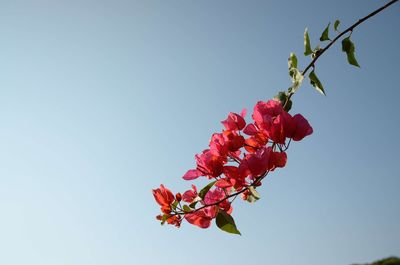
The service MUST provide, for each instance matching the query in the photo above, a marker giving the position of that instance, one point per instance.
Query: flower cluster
(237, 160)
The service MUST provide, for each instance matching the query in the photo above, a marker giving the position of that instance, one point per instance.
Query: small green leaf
(204, 190)
(164, 218)
(254, 192)
(282, 97)
(316, 83)
(292, 61)
(297, 79)
(288, 106)
(186, 208)
(336, 24)
(193, 205)
(316, 51)
(349, 48)
(307, 45)
(173, 206)
(226, 223)
(325, 34)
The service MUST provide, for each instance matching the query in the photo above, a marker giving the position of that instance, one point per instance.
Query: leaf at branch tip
(292, 61)
(325, 34)
(307, 45)
(316, 83)
(336, 24)
(204, 190)
(226, 223)
(349, 48)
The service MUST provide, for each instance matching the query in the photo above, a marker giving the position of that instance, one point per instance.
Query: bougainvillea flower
(163, 196)
(264, 112)
(192, 174)
(190, 195)
(225, 183)
(209, 165)
(202, 218)
(278, 159)
(218, 145)
(234, 122)
(257, 163)
(233, 140)
(217, 196)
(301, 128)
(235, 177)
(256, 141)
(280, 127)
(221, 144)
(250, 129)
(174, 220)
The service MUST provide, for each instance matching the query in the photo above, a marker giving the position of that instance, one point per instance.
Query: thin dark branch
(349, 29)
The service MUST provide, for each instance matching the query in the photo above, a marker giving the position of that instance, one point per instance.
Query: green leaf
(204, 190)
(307, 45)
(325, 34)
(173, 206)
(282, 97)
(226, 223)
(164, 218)
(316, 83)
(349, 48)
(186, 208)
(193, 205)
(336, 24)
(297, 79)
(292, 61)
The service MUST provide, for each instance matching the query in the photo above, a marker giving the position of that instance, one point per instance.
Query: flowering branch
(237, 164)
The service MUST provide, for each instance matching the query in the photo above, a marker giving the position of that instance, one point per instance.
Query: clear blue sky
(101, 101)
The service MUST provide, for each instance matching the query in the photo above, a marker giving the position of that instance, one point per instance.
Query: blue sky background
(101, 101)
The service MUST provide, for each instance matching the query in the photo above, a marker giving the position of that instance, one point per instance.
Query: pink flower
(190, 195)
(202, 218)
(301, 128)
(264, 112)
(257, 163)
(209, 165)
(234, 121)
(280, 127)
(164, 197)
(192, 174)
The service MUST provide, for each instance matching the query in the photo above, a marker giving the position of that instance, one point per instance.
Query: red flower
(209, 165)
(234, 122)
(282, 126)
(190, 195)
(256, 141)
(257, 163)
(278, 159)
(164, 197)
(301, 128)
(202, 218)
(264, 112)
